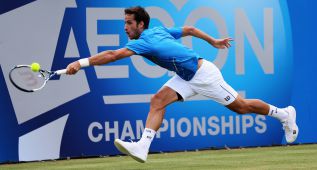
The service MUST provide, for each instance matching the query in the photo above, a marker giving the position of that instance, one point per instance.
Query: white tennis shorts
(208, 81)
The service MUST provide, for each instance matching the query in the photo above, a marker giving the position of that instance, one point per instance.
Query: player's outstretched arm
(99, 59)
(217, 43)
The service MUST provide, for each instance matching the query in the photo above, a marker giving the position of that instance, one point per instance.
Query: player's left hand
(73, 68)
(223, 43)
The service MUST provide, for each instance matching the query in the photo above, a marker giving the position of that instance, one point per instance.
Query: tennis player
(194, 75)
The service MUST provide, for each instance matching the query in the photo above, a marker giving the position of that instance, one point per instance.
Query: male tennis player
(194, 75)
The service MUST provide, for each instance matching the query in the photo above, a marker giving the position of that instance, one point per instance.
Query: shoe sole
(293, 113)
(123, 150)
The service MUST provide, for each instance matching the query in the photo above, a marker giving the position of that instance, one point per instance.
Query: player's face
(132, 29)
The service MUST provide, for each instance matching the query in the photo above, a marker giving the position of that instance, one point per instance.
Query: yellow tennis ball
(35, 67)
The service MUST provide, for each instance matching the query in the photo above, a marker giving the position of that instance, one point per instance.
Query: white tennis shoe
(289, 125)
(133, 149)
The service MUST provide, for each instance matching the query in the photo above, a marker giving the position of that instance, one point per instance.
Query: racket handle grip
(59, 72)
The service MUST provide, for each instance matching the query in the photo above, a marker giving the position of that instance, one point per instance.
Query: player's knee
(242, 108)
(245, 108)
(156, 101)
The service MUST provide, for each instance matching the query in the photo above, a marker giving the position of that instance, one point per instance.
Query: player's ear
(141, 24)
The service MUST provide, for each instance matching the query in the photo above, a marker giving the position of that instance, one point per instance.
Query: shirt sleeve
(176, 32)
(138, 46)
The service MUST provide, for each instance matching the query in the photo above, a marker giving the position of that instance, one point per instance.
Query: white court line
(145, 98)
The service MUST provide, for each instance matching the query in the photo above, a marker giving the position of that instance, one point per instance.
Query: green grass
(282, 157)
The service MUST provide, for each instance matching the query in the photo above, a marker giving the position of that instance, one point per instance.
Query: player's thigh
(238, 105)
(208, 81)
(221, 93)
(181, 87)
(164, 96)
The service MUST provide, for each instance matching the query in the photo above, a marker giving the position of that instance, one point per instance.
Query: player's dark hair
(139, 15)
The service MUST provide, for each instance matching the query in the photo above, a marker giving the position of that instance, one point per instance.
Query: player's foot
(289, 125)
(133, 149)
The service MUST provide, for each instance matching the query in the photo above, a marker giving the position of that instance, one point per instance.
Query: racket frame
(45, 74)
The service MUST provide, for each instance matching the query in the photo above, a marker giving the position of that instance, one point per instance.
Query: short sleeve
(176, 32)
(137, 46)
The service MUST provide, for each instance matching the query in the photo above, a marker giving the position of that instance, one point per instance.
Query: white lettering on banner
(92, 126)
(261, 128)
(247, 122)
(226, 124)
(114, 130)
(265, 55)
(182, 127)
(201, 125)
(188, 127)
(238, 125)
(71, 48)
(214, 127)
(95, 40)
(139, 128)
(172, 129)
(127, 130)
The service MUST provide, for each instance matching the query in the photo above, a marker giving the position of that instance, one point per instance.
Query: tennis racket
(24, 79)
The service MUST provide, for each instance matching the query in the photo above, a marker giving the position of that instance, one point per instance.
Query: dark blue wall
(304, 31)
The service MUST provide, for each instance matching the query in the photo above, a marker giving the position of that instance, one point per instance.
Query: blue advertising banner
(81, 115)
(304, 79)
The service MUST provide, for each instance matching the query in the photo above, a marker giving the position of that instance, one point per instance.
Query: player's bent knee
(157, 98)
(156, 101)
(240, 106)
(238, 109)
(241, 110)
(244, 108)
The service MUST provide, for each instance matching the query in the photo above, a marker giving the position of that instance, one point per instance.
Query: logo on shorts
(227, 98)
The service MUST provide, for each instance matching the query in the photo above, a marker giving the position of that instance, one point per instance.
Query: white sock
(277, 113)
(147, 138)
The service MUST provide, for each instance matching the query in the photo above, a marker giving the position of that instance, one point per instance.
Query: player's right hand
(73, 68)
(222, 43)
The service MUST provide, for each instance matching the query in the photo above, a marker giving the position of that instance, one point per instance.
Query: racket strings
(27, 80)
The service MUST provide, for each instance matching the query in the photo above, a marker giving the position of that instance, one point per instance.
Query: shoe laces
(131, 141)
(286, 126)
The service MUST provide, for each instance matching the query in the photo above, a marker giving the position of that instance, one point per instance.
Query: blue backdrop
(272, 58)
(304, 79)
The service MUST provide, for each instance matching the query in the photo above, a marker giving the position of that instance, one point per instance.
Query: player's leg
(287, 116)
(154, 120)
(174, 90)
(158, 104)
(242, 106)
(209, 82)
(139, 150)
